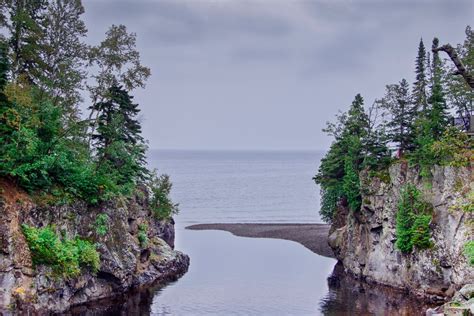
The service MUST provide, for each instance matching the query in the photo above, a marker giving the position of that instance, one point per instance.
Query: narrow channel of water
(232, 275)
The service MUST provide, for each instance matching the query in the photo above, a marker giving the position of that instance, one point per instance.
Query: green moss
(65, 256)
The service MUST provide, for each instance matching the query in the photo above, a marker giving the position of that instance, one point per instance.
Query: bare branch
(448, 49)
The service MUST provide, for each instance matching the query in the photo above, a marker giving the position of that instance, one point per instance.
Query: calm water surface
(232, 275)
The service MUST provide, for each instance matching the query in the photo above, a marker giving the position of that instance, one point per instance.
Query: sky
(269, 74)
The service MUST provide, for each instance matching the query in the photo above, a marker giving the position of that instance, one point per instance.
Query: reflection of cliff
(135, 302)
(349, 296)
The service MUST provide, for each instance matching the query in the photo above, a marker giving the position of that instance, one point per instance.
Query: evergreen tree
(397, 102)
(26, 29)
(350, 180)
(438, 116)
(420, 84)
(357, 120)
(338, 173)
(120, 146)
(376, 153)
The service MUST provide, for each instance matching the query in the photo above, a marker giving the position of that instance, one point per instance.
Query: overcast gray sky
(268, 74)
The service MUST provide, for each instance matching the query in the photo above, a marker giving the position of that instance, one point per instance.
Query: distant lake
(242, 186)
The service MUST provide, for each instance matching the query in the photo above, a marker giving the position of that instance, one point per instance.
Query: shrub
(160, 202)
(469, 252)
(101, 224)
(143, 234)
(455, 148)
(421, 231)
(65, 256)
(412, 222)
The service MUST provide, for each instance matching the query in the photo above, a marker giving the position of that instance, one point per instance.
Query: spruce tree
(351, 182)
(120, 146)
(438, 117)
(397, 101)
(420, 84)
(26, 30)
(338, 173)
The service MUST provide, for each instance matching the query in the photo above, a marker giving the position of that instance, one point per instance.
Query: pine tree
(357, 120)
(26, 30)
(351, 182)
(420, 84)
(438, 116)
(120, 146)
(397, 101)
(338, 173)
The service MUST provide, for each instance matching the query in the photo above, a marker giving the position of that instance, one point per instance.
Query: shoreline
(312, 236)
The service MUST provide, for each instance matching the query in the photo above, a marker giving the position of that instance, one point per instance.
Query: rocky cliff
(364, 241)
(125, 262)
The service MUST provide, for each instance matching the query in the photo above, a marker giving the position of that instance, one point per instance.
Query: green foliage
(40, 153)
(437, 114)
(412, 222)
(329, 200)
(44, 145)
(143, 234)
(351, 181)
(421, 231)
(397, 102)
(422, 154)
(160, 203)
(65, 256)
(101, 224)
(121, 148)
(359, 144)
(455, 148)
(419, 87)
(469, 252)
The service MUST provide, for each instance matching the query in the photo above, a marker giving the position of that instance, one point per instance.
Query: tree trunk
(448, 49)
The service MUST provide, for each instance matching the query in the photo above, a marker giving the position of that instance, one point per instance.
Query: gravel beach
(312, 236)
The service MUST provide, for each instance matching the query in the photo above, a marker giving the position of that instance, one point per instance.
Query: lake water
(241, 186)
(232, 275)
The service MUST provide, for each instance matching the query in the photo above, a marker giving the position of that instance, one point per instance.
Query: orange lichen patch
(11, 193)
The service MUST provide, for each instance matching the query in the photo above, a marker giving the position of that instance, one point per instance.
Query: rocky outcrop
(124, 264)
(364, 241)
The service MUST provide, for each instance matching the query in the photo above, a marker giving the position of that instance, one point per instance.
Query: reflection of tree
(348, 296)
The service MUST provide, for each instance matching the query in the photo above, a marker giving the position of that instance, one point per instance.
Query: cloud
(220, 66)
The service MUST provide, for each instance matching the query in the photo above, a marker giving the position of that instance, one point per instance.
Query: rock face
(364, 241)
(125, 264)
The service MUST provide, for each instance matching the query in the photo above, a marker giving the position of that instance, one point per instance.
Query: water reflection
(348, 296)
(243, 276)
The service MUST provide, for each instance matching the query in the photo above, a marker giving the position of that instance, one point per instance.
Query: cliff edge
(135, 249)
(365, 241)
